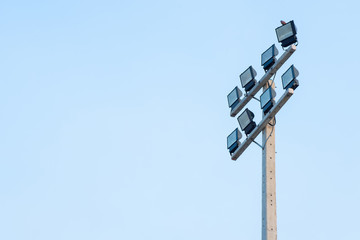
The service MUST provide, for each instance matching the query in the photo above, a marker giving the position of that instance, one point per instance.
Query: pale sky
(114, 118)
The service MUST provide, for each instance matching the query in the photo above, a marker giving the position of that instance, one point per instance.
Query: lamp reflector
(267, 99)
(234, 96)
(286, 34)
(233, 138)
(269, 54)
(247, 76)
(289, 78)
(245, 119)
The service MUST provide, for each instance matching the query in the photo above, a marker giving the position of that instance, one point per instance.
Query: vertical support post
(269, 225)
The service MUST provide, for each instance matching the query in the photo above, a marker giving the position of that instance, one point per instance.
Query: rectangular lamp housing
(247, 78)
(233, 140)
(234, 97)
(289, 78)
(268, 57)
(267, 100)
(246, 121)
(286, 34)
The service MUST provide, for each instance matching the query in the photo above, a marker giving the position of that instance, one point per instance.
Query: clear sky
(114, 118)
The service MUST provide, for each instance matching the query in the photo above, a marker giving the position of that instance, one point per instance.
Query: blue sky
(114, 118)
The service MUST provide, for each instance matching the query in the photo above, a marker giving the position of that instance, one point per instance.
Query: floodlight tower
(286, 34)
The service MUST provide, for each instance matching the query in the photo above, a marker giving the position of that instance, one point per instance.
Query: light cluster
(286, 35)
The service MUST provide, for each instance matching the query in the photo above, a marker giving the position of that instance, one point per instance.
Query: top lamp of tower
(286, 34)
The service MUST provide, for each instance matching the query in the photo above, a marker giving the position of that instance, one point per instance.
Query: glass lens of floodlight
(232, 138)
(246, 77)
(232, 97)
(265, 97)
(244, 120)
(268, 54)
(284, 32)
(287, 77)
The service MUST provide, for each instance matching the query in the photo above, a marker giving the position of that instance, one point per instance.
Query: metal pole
(269, 226)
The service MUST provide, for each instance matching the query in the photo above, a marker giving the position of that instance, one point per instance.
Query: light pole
(287, 36)
(269, 224)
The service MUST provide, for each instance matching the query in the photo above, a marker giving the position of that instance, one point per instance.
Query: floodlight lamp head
(286, 34)
(267, 100)
(289, 78)
(234, 97)
(247, 78)
(233, 140)
(268, 58)
(246, 121)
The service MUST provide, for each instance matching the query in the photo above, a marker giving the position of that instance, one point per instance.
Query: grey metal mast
(269, 219)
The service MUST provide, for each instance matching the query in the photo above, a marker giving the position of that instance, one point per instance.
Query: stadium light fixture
(234, 97)
(233, 140)
(247, 78)
(289, 78)
(267, 99)
(246, 121)
(268, 57)
(286, 34)
(251, 94)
